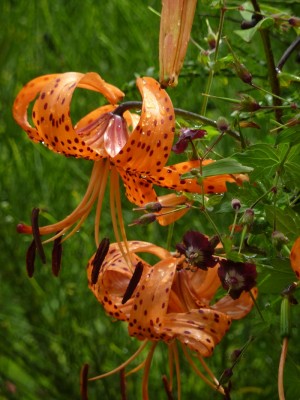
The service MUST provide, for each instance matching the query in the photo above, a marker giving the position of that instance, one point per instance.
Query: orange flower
(165, 302)
(137, 149)
(175, 27)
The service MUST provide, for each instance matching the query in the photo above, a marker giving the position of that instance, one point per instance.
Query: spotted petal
(201, 329)
(115, 275)
(151, 301)
(51, 111)
(150, 143)
(237, 308)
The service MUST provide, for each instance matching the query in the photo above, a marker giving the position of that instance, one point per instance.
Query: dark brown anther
(84, 381)
(56, 256)
(30, 258)
(136, 276)
(123, 384)
(99, 258)
(167, 387)
(36, 234)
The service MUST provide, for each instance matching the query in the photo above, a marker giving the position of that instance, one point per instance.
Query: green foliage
(50, 326)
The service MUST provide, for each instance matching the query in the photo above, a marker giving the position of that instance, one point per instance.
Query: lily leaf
(290, 135)
(287, 220)
(224, 166)
(247, 34)
(276, 274)
(262, 157)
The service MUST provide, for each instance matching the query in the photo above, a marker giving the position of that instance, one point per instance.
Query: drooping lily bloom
(137, 149)
(166, 302)
(175, 27)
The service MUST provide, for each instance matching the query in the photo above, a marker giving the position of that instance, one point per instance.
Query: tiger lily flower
(175, 27)
(137, 149)
(165, 302)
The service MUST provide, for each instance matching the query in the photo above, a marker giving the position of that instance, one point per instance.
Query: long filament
(124, 365)
(199, 373)
(177, 368)
(100, 200)
(147, 370)
(83, 207)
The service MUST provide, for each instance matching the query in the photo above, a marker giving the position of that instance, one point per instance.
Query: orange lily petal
(238, 308)
(167, 303)
(295, 257)
(139, 186)
(151, 301)
(115, 275)
(24, 98)
(201, 329)
(150, 143)
(51, 111)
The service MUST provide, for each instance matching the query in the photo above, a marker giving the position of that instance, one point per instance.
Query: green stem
(272, 73)
(256, 305)
(243, 237)
(211, 72)
(213, 224)
(234, 224)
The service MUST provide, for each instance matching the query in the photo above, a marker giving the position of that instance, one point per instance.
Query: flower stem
(272, 72)
(281, 368)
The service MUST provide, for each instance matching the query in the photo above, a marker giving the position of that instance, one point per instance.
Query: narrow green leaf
(286, 79)
(224, 166)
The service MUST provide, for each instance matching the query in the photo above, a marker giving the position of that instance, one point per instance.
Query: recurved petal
(51, 110)
(111, 285)
(26, 95)
(170, 177)
(295, 257)
(115, 275)
(149, 145)
(138, 191)
(151, 300)
(199, 285)
(200, 329)
(172, 213)
(238, 308)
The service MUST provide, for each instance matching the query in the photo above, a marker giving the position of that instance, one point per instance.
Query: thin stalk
(281, 368)
(272, 72)
(211, 72)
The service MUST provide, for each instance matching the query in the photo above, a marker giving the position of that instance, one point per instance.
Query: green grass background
(49, 327)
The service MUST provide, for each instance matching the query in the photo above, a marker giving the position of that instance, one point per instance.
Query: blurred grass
(49, 327)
